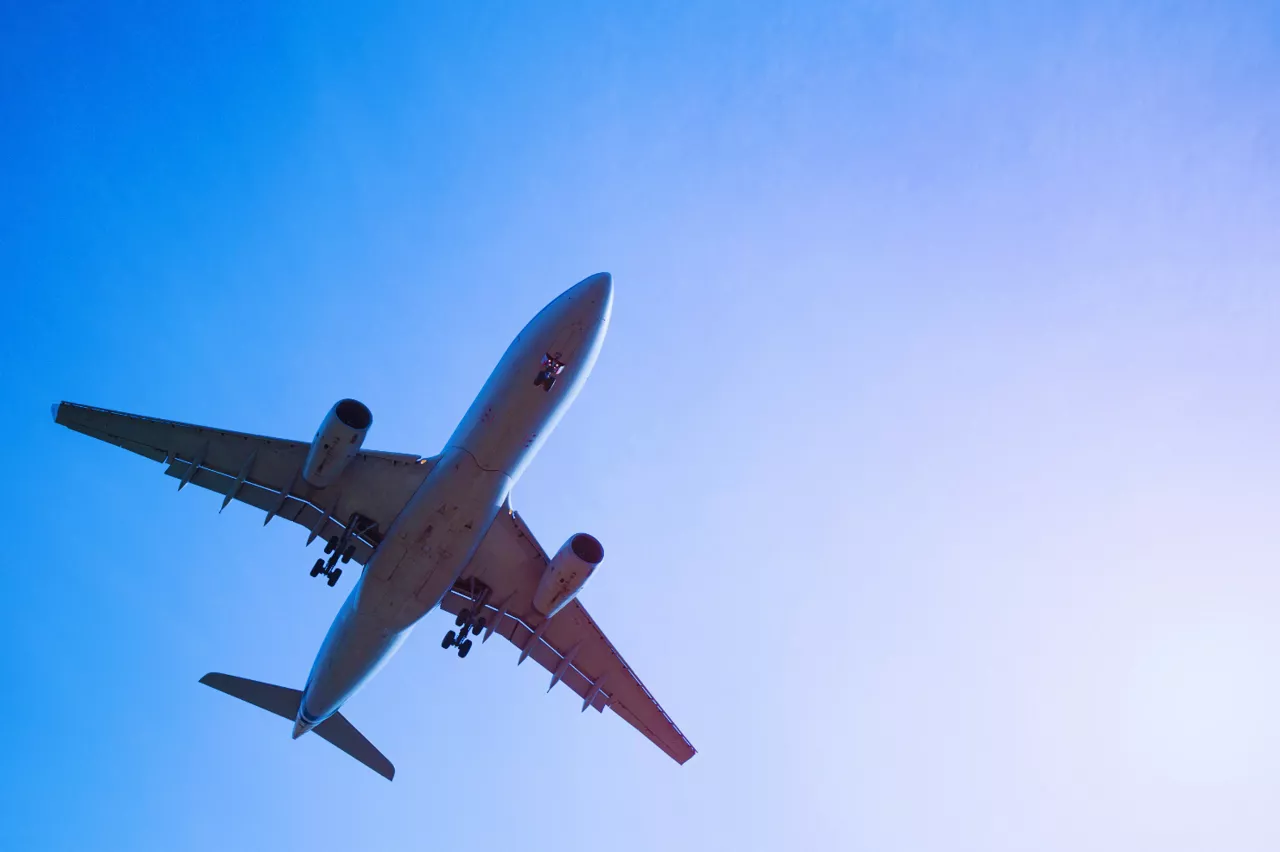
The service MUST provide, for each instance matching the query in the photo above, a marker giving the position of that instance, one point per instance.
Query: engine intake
(568, 572)
(336, 443)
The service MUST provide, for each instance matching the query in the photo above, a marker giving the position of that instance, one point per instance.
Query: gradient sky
(932, 444)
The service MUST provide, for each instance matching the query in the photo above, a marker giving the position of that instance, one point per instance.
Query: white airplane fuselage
(430, 543)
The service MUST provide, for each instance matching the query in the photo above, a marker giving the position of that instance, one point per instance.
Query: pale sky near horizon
(932, 445)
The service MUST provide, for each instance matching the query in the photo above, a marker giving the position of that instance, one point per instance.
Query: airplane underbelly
(432, 541)
(422, 556)
(355, 649)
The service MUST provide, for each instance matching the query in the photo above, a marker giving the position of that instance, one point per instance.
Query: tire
(463, 618)
(331, 544)
(450, 639)
(464, 648)
(318, 568)
(479, 626)
(333, 577)
(547, 385)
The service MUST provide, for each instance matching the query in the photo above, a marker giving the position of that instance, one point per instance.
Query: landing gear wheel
(318, 568)
(450, 639)
(348, 553)
(464, 648)
(333, 577)
(478, 626)
(331, 545)
(463, 618)
(551, 380)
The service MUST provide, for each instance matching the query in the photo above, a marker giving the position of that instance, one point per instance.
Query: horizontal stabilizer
(284, 703)
(274, 699)
(337, 730)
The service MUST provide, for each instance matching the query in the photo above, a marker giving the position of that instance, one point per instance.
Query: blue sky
(932, 444)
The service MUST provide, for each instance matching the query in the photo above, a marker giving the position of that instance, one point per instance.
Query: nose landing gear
(551, 367)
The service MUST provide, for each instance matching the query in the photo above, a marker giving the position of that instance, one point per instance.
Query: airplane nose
(594, 288)
(600, 284)
(587, 304)
(597, 290)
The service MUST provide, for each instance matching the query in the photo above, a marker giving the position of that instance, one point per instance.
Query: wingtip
(54, 409)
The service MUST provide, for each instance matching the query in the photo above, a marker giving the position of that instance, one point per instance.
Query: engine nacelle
(341, 433)
(567, 573)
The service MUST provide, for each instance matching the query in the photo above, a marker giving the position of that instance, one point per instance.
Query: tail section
(274, 699)
(338, 731)
(284, 702)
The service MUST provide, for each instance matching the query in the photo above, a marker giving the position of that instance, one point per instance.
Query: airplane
(429, 532)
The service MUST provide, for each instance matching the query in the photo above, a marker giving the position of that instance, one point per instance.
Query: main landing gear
(340, 548)
(332, 573)
(467, 622)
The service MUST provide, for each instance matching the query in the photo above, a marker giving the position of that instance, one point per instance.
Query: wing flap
(275, 460)
(510, 561)
(628, 696)
(131, 446)
(260, 470)
(518, 633)
(293, 508)
(594, 662)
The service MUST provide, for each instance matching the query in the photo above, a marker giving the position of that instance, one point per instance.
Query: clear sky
(933, 444)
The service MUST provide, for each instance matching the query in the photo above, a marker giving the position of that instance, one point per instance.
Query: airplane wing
(263, 472)
(570, 645)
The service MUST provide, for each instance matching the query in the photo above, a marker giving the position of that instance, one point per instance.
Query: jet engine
(567, 573)
(341, 433)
